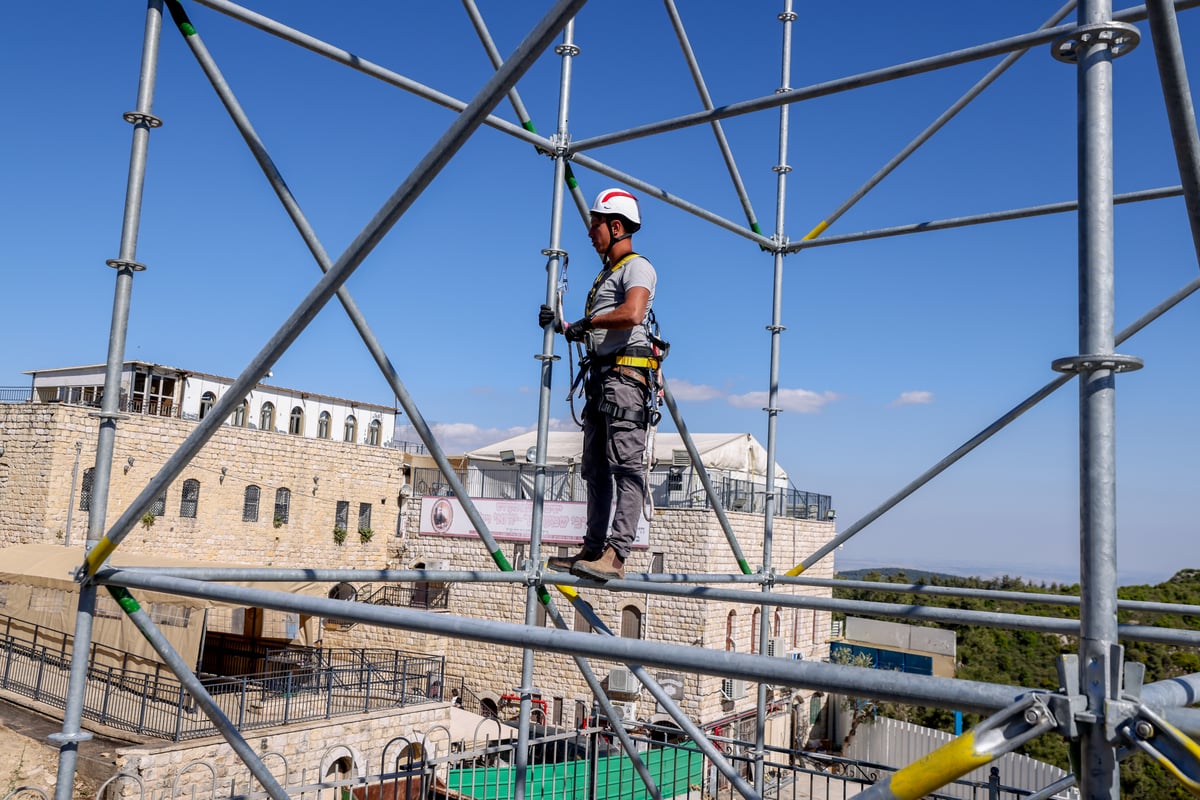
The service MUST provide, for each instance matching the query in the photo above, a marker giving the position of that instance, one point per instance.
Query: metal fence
(562, 764)
(300, 684)
(16, 394)
(670, 487)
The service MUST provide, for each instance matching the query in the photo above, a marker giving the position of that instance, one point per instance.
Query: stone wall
(296, 755)
(36, 490)
(35, 493)
(690, 541)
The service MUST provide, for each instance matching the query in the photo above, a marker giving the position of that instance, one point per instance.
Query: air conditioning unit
(777, 647)
(680, 458)
(733, 688)
(835, 629)
(622, 681)
(627, 711)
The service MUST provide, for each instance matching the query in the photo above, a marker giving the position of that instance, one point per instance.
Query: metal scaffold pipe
(1029, 402)
(1181, 113)
(870, 78)
(395, 207)
(126, 264)
(881, 684)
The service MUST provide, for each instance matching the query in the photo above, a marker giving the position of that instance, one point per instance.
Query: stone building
(270, 498)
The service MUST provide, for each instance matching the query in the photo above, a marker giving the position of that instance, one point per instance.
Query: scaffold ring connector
(566, 50)
(776, 328)
(136, 117)
(70, 738)
(120, 263)
(781, 168)
(544, 357)
(553, 252)
(788, 16)
(1121, 38)
(1110, 361)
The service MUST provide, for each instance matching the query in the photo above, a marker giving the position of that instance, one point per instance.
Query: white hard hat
(617, 202)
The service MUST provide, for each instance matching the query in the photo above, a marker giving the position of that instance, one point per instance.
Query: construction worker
(618, 377)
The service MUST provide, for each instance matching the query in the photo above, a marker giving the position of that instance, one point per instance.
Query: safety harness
(648, 358)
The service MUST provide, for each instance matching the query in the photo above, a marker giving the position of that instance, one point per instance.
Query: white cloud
(459, 437)
(456, 438)
(916, 398)
(802, 401)
(692, 392)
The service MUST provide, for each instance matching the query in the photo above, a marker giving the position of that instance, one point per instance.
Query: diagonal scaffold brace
(1174, 750)
(1001, 733)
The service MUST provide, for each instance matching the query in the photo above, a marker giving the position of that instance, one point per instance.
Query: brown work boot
(607, 567)
(564, 563)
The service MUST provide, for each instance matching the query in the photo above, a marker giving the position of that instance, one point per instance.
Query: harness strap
(604, 273)
(636, 361)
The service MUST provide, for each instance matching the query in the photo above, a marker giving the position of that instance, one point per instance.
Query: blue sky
(896, 350)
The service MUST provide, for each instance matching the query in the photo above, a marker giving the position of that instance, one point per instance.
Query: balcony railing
(16, 394)
(670, 487)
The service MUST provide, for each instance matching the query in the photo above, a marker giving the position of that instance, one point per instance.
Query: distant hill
(1027, 658)
(899, 575)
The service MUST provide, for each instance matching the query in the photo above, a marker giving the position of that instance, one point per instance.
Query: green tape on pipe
(744, 566)
(571, 182)
(501, 561)
(124, 599)
(181, 18)
(543, 596)
(528, 125)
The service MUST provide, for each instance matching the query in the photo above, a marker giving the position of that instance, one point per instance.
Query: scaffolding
(1104, 704)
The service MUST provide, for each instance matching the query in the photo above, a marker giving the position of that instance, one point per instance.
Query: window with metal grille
(42, 598)
(266, 417)
(189, 501)
(85, 489)
(656, 563)
(238, 418)
(250, 504)
(159, 507)
(374, 431)
(350, 431)
(107, 607)
(170, 614)
(364, 516)
(323, 425)
(341, 516)
(296, 421)
(283, 504)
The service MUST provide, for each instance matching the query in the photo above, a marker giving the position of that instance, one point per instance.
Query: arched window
(159, 507)
(373, 432)
(190, 500)
(350, 433)
(283, 506)
(266, 417)
(85, 489)
(778, 623)
(754, 618)
(631, 622)
(323, 425)
(250, 504)
(296, 421)
(206, 403)
(731, 631)
(240, 414)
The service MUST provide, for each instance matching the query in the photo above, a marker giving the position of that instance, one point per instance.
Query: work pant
(612, 461)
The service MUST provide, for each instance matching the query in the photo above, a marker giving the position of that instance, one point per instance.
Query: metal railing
(299, 684)
(16, 394)
(670, 487)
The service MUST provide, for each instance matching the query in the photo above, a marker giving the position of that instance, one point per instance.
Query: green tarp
(674, 769)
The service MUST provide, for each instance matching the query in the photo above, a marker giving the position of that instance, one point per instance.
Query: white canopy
(738, 454)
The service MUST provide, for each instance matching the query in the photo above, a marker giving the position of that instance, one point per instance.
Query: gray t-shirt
(637, 271)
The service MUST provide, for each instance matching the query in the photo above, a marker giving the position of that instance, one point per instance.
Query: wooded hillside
(1026, 658)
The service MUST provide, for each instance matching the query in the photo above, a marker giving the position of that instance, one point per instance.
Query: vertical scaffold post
(1092, 47)
(776, 328)
(126, 265)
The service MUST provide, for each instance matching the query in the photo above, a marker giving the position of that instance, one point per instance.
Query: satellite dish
(531, 454)
(406, 491)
